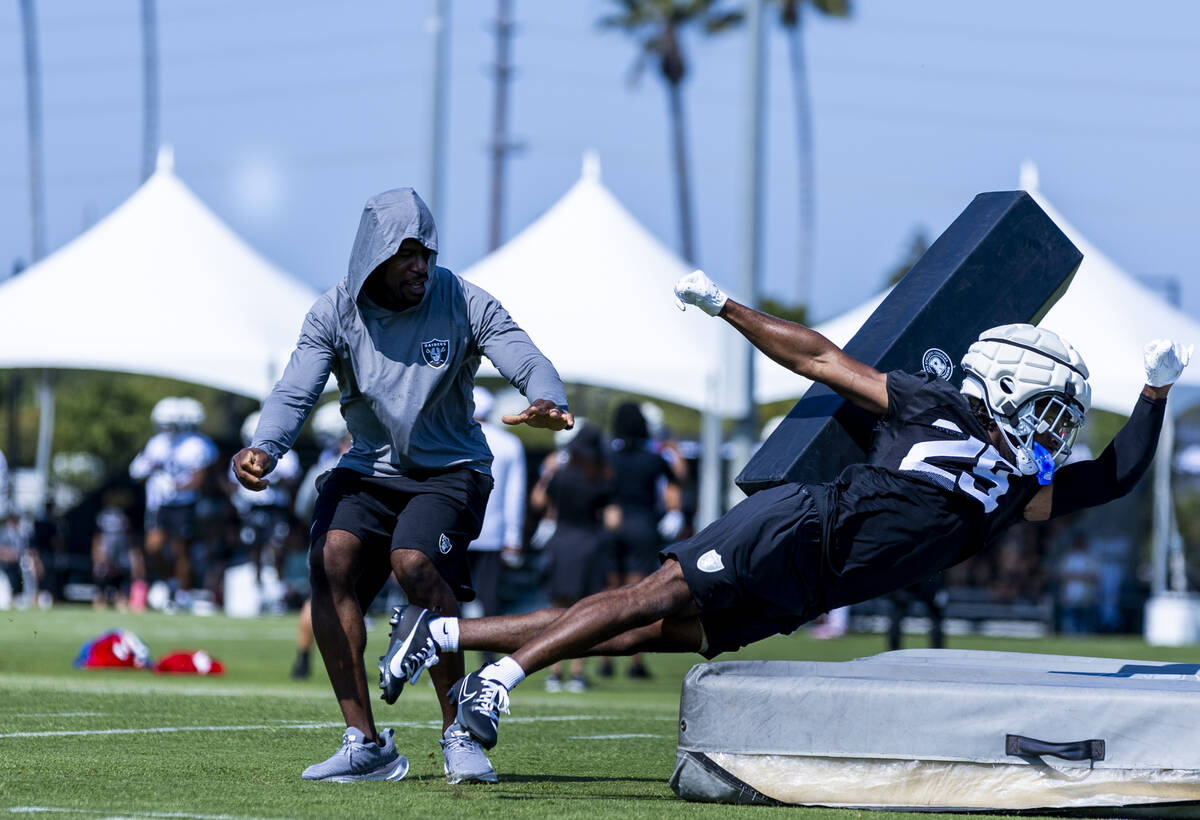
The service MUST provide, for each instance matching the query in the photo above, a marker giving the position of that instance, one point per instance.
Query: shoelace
(419, 661)
(459, 742)
(347, 746)
(492, 699)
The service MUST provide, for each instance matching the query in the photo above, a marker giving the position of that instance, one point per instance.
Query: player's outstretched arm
(1127, 457)
(542, 413)
(798, 348)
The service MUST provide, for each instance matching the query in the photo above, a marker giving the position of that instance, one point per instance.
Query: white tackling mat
(940, 730)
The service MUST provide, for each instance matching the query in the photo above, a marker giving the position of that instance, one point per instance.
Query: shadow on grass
(511, 779)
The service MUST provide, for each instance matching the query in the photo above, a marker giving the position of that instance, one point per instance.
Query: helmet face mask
(1034, 386)
(1051, 421)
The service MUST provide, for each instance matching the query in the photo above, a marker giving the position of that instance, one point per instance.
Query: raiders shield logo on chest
(435, 351)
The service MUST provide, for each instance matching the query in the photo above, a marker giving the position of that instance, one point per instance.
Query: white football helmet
(165, 415)
(1034, 385)
(189, 413)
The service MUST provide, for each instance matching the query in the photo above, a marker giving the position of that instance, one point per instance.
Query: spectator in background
(499, 540)
(16, 561)
(333, 437)
(49, 543)
(579, 551)
(1078, 584)
(663, 442)
(115, 562)
(173, 465)
(646, 517)
(4, 491)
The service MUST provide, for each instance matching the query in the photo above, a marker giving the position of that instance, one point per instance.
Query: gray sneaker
(356, 760)
(465, 760)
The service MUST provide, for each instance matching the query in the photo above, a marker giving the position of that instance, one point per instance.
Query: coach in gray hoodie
(404, 338)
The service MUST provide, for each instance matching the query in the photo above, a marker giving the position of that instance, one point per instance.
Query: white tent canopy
(1109, 316)
(1106, 314)
(160, 286)
(594, 290)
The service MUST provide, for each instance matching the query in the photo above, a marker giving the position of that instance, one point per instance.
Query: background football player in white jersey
(172, 464)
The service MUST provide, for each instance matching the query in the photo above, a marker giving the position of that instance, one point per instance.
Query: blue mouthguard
(1045, 464)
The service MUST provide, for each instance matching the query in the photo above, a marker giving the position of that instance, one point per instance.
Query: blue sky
(286, 116)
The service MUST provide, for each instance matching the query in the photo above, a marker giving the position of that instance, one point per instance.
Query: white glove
(697, 289)
(670, 525)
(1165, 361)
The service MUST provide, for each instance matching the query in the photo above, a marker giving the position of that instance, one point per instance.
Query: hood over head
(387, 220)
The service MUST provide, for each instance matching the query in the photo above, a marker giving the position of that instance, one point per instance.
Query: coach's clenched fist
(250, 465)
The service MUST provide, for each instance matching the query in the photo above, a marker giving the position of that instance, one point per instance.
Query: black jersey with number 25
(933, 492)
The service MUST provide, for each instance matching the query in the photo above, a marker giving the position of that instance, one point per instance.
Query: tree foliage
(918, 243)
(108, 414)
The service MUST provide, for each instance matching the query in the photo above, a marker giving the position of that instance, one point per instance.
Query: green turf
(171, 762)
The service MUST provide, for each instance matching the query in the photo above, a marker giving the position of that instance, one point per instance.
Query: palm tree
(656, 25)
(791, 15)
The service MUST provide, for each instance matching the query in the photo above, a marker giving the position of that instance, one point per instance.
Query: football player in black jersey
(949, 470)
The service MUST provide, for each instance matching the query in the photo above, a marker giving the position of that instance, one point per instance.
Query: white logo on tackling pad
(710, 562)
(444, 545)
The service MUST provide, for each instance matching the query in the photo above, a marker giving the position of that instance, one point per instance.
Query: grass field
(126, 743)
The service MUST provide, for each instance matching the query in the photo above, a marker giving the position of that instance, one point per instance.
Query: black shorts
(176, 520)
(438, 514)
(755, 571)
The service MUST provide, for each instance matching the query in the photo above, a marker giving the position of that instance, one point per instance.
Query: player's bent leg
(335, 567)
(482, 696)
(667, 635)
(600, 617)
(505, 633)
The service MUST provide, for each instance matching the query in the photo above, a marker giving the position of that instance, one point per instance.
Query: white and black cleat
(411, 650)
(480, 701)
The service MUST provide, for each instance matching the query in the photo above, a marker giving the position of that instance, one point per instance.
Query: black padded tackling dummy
(1002, 261)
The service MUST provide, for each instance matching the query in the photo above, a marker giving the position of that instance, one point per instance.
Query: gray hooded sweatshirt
(406, 377)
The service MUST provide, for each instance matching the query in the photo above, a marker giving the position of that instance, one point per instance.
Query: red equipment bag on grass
(115, 649)
(189, 662)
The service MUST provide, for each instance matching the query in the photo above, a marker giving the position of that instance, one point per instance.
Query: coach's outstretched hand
(542, 413)
(697, 289)
(1165, 361)
(250, 465)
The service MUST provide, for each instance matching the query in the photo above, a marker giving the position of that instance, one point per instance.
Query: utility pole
(745, 432)
(439, 30)
(500, 146)
(33, 107)
(150, 95)
(33, 110)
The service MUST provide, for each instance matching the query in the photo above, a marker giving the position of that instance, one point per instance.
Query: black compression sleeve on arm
(1117, 470)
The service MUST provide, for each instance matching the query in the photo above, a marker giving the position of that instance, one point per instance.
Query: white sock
(507, 672)
(445, 633)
